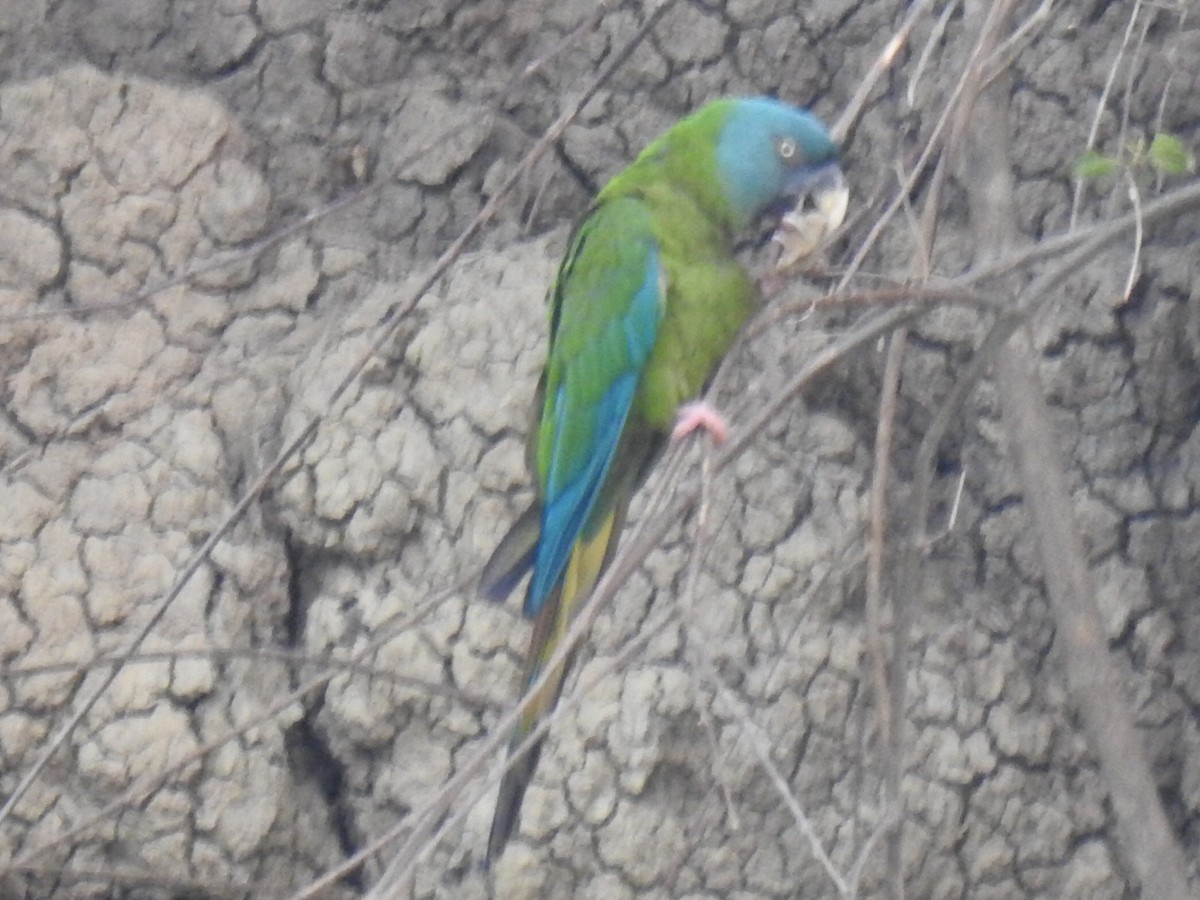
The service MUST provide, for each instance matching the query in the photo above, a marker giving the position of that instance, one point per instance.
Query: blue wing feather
(564, 517)
(570, 496)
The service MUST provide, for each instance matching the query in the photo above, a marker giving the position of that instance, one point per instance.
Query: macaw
(647, 300)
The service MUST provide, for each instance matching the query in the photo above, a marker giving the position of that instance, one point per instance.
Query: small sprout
(1169, 156)
(1094, 164)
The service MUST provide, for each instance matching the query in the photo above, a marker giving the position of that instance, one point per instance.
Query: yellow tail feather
(583, 571)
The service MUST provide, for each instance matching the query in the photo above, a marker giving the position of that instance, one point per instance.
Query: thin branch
(877, 654)
(760, 743)
(1101, 105)
(887, 821)
(334, 665)
(703, 663)
(1072, 248)
(85, 882)
(1004, 56)
(1184, 199)
(1135, 262)
(700, 543)
(927, 52)
(883, 62)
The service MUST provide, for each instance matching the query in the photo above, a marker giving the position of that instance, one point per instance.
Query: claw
(699, 414)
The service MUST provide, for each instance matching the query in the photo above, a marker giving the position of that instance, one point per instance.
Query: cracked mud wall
(138, 140)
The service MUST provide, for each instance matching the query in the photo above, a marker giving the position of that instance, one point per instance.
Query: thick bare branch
(1096, 683)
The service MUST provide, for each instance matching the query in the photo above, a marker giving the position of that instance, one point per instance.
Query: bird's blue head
(770, 153)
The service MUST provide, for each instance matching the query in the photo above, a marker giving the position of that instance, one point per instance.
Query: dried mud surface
(139, 138)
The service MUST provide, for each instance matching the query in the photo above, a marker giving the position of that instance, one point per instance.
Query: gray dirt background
(138, 138)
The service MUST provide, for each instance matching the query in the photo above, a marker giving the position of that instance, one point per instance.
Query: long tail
(588, 558)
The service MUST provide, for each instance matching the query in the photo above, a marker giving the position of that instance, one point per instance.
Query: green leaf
(1170, 156)
(1095, 164)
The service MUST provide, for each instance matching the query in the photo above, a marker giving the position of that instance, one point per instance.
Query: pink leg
(699, 414)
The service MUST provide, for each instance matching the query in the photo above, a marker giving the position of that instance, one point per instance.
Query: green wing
(606, 310)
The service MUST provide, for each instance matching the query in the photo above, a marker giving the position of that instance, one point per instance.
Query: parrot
(646, 302)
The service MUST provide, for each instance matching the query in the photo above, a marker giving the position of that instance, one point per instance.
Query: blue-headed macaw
(647, 300)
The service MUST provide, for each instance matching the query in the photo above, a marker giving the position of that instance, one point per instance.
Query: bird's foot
(699, 414)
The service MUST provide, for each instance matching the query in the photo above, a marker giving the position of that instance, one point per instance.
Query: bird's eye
(786, 148)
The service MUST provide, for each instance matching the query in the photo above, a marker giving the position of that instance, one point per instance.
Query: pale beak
(819, 211)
